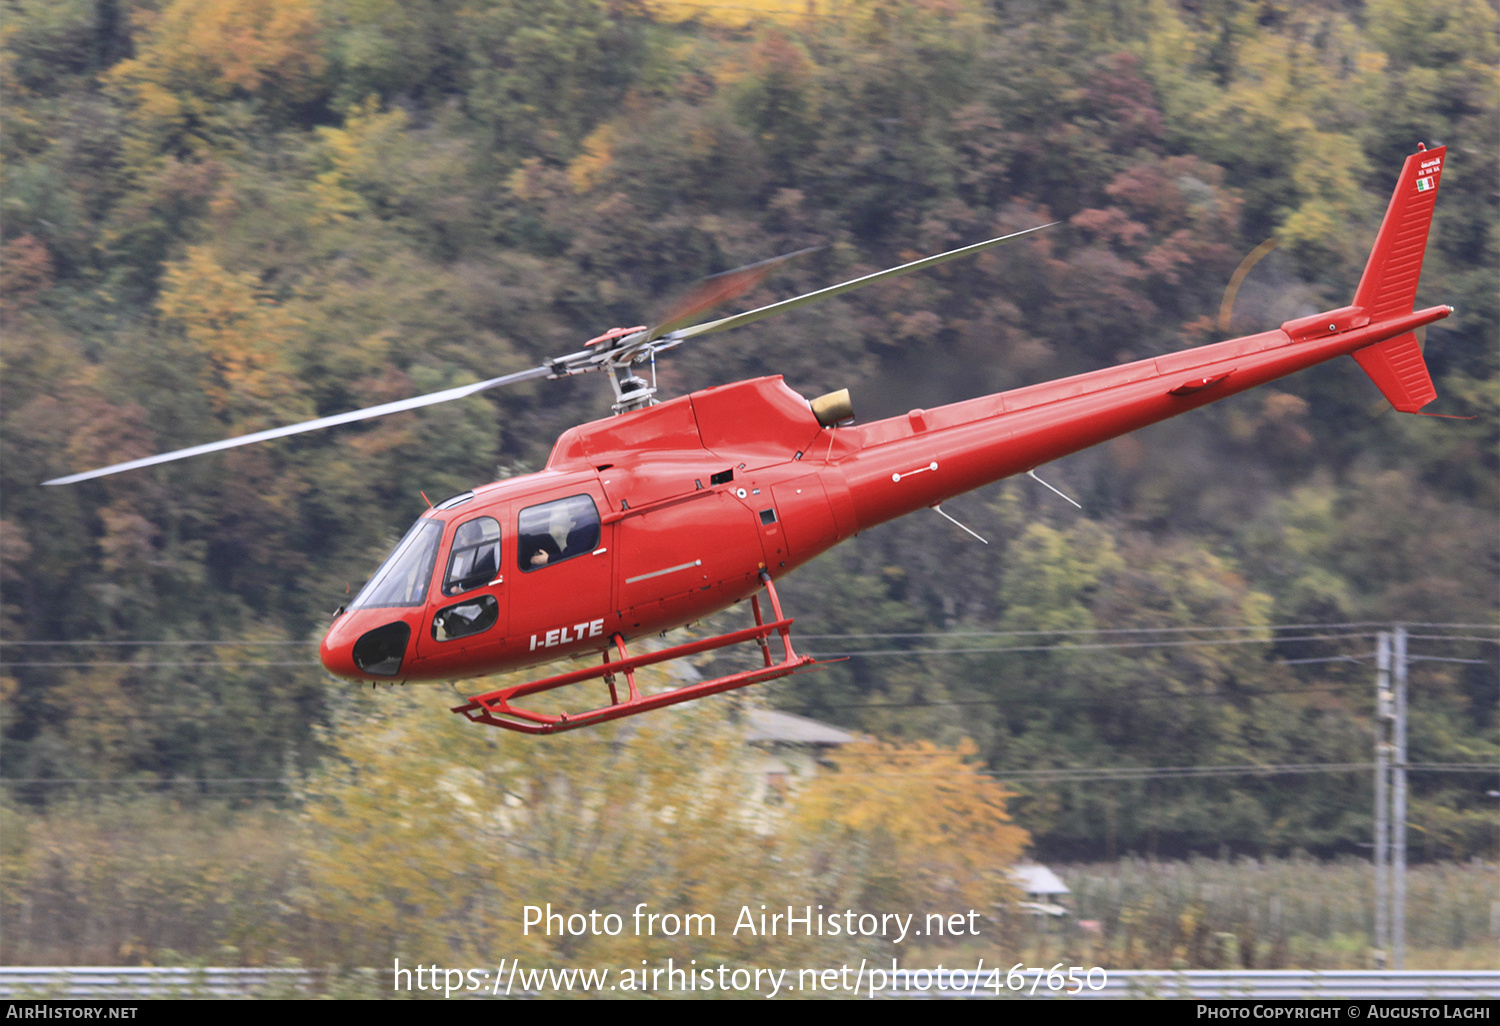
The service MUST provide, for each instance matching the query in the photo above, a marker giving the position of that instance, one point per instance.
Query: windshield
(402, 578)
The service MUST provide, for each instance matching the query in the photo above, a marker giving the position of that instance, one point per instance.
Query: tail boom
(898, 465)
(966, 445)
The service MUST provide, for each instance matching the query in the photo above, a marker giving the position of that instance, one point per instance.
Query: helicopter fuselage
(656, 518)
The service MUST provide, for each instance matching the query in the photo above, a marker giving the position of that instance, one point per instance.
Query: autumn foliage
(220, 215)
(917, 822)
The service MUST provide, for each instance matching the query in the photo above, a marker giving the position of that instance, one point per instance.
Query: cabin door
(560, 592)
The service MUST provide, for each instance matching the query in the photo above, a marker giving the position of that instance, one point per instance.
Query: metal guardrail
(109, 983)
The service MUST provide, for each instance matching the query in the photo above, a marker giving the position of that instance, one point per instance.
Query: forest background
(224, 215)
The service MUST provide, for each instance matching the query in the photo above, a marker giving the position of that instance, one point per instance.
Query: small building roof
(1034, 878)
(770, 726)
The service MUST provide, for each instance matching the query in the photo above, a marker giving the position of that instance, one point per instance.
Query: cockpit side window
(402, 579)
(475, 560)
(558, 530)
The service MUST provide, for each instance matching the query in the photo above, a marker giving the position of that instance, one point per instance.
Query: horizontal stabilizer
(1398, 370)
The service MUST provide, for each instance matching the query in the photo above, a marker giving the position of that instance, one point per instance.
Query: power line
(1452, 637)
(1455, 626)
(128, 781)
(1110, 646)
(1066, 775)
(901, 651)
(1062, 774)
(143, 642)
(167, 716)
(1093, 700)
(970, 650)
(1104, 630)
(1166, 630)
(1067, 632)
(130, 662)
(1361, 625)
(1084, 647)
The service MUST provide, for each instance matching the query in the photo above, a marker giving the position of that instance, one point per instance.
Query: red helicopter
(669, 511)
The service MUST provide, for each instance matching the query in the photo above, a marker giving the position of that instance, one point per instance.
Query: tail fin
(1388, 287)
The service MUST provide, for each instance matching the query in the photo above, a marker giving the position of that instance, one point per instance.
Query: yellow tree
(1285, 95)
(428, 836)
(357, 157)
(917, 825)
(242, 336)
(197, 54)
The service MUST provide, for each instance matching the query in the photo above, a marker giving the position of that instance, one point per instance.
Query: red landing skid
(495, 707)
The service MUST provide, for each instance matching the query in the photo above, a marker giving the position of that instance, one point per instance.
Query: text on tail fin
(1388, 288)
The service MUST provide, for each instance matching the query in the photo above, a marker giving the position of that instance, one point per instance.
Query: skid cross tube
(495, 708)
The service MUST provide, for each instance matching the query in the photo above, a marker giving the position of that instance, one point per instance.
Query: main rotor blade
(718, 289)
(725, 323)
(416, 402)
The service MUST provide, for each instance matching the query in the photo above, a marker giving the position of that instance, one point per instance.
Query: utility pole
(1384, 712)
(1390, 799)
(1398, 808)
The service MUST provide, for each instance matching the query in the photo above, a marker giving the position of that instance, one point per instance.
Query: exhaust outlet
(833, 409)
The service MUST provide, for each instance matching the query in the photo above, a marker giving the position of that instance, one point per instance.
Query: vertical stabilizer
(1388, 288)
